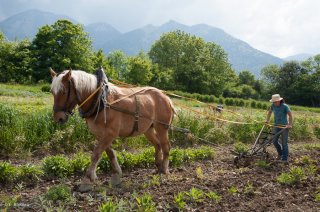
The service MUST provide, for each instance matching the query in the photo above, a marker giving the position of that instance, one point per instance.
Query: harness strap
(136, 116)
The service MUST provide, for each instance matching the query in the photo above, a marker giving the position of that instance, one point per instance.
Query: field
(41, 163)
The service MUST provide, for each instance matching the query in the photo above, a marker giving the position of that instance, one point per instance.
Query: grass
(26, 125)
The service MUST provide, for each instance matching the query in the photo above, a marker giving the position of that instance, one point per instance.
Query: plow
(258, 149)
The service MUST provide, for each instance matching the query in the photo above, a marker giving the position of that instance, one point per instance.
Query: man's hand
(289, 126)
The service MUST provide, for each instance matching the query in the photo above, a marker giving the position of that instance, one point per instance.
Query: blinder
(67, 106)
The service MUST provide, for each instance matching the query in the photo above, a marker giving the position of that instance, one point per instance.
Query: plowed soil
(255, 188)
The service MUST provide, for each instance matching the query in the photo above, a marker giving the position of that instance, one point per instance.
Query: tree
(197, 66)
(120, 63)
(100, 60)
(246, 78)
(14, 61)
(292, 81)
(61, 46)
(140, 69)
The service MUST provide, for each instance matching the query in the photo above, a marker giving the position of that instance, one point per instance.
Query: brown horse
(153, 115)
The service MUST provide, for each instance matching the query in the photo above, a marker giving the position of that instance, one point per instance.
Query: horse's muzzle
(60, 117)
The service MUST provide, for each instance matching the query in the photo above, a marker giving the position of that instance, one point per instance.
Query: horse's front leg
(116, 169)
(91, 175)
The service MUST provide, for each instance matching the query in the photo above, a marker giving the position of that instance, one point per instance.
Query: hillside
(26, 24)
(241, 55)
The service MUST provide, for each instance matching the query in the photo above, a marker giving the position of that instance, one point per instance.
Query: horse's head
(65, 97)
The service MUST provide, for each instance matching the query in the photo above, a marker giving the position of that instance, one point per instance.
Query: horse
(125, 112)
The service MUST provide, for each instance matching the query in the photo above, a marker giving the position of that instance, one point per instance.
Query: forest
(177, 61)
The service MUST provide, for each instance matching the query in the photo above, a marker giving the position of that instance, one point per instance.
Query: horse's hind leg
(116, 169)
(151, 135)
(163, 137)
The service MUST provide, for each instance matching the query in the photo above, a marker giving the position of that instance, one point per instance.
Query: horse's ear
(67, 77)
(52, 72)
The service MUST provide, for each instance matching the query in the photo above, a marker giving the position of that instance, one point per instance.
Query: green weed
(233, 190)
(57, 166)
(195, 195)
(80, 162)
(199, 173)
(213, 196)
(248, 189)
(59, 193)
(8, 173)
(30, 173)
(262, 164)
(109, 206)
(317, 196)
(218, 135)
(145, 203)
(295, 176)
(240, 148)
(179, 200)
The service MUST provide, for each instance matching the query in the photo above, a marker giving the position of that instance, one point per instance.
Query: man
(281, 113)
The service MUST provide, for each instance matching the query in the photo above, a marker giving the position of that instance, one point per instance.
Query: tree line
(176, 61)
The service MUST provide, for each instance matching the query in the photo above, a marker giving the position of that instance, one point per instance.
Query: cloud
(281, 28)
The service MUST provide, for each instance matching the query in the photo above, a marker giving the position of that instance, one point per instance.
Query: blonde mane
(82, 80)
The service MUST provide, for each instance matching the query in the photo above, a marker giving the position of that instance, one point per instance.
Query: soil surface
(245, 188)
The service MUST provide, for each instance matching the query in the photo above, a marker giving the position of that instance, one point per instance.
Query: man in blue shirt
(281, 113)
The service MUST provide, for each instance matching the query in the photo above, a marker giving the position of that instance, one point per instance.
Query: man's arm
(268, 116)
(290, 120)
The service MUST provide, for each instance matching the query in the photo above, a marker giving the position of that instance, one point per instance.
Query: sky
(278, 27)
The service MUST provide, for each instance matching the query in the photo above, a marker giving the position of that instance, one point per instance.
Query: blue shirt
(280, 114)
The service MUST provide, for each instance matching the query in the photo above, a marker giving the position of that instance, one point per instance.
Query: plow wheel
(241, 161)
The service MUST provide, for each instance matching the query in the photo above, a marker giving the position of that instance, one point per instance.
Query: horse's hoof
(115, 180)
(85, 188)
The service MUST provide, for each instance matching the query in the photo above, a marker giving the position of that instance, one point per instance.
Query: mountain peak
(172, 23)
(26, 24)
(240, 54)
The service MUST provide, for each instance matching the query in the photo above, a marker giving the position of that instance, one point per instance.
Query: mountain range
(241, 55)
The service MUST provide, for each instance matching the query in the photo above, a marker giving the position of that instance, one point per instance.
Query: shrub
(217, 135)
(316, 132)
(240, 148)
(57, 166)
(80, 162)
(59, 193)
(245, 133)
(30, 173)
(177, 157)
(241, 103)
(45, 88)
(197, 127)
(253, 104)
(301, 129)
(8, 173)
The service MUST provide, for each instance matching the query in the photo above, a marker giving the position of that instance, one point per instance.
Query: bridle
(67, 108)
